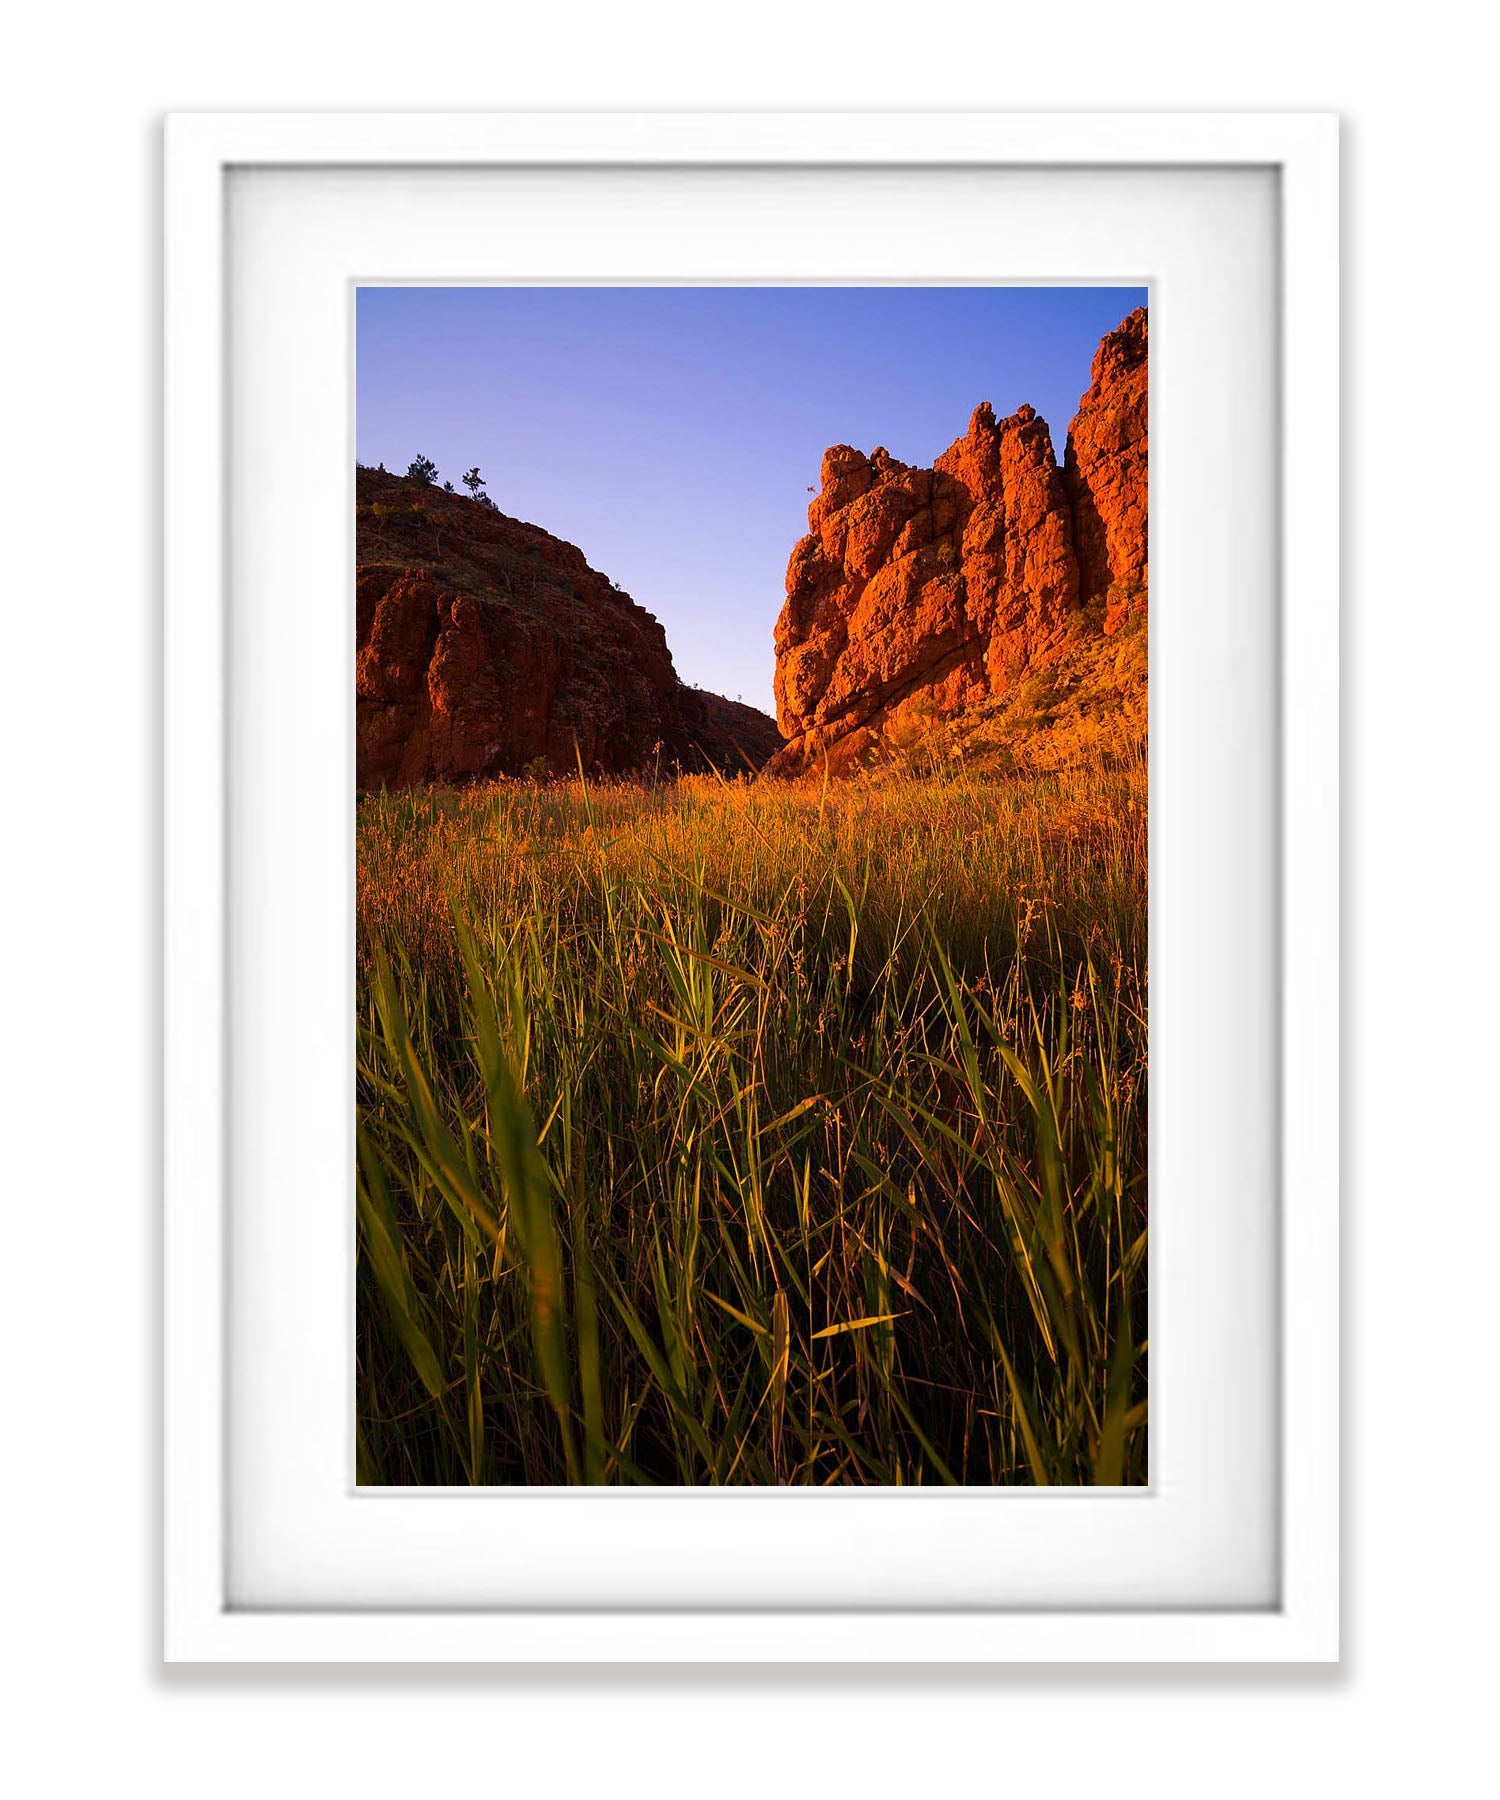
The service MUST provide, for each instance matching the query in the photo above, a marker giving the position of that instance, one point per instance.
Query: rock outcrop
(919, 593)
(485, 647)
(1105, 475)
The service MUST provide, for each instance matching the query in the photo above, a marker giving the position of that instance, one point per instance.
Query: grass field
(750, 1133)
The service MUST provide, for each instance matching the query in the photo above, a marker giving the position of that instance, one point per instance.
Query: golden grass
(754, 1133)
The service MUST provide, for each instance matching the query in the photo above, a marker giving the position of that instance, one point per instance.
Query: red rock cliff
(920, 592)
(483, 644)
(1105, 474)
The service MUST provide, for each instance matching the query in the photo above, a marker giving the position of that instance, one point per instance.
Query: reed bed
(725, 1133)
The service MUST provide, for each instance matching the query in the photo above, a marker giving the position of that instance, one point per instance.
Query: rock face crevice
(918, 593)
(486, 647)
(1104, 472)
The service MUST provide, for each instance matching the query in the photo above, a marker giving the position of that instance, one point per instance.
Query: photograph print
(751, 893)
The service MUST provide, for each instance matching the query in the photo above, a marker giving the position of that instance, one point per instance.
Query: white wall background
(89, 1707)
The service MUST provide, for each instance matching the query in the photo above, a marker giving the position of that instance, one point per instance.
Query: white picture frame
(202, 1619)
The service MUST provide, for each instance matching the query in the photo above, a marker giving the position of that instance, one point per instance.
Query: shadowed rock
(486, 647)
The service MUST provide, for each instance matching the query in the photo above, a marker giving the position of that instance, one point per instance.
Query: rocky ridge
(922, 595)
(485, 646)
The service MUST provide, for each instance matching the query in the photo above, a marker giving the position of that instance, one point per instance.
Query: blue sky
(672, 433)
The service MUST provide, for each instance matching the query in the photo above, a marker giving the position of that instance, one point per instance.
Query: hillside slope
(486, 646)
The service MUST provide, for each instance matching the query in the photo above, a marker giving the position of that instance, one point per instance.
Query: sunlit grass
(753, 1133)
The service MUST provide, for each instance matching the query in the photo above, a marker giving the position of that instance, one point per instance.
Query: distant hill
(994, 603)
(486, 647)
